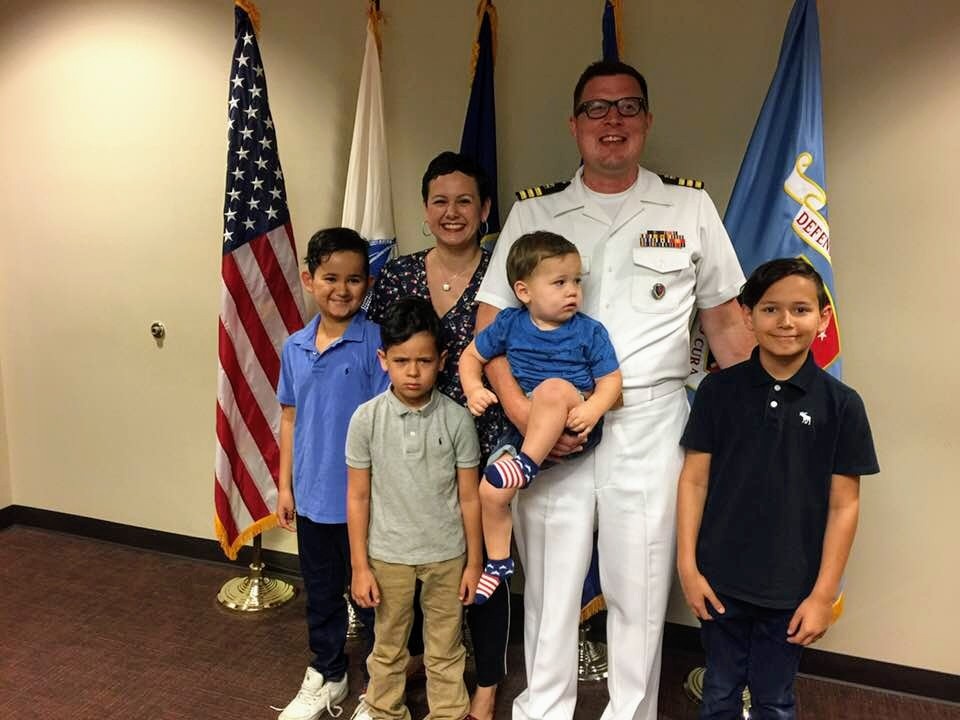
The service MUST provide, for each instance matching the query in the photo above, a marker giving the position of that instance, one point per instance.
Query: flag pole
(255, 592)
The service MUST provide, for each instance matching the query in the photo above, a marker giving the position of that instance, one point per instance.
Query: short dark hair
(605, 68)
(326, 242)
(771, 271)
(407, 317)
(530, 249)
(450, 162)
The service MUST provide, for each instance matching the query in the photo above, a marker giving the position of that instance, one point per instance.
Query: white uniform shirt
(644, 295)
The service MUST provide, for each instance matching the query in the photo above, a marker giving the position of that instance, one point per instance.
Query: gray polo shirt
(413, 456)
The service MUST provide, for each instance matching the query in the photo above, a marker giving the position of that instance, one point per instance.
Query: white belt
(633, 396)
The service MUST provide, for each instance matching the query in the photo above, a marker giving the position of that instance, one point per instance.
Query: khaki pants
(444, 654)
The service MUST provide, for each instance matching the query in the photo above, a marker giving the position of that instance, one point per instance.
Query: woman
(456, 199)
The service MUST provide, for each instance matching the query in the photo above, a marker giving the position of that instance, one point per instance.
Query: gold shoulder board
(541, 190)
(682, 182)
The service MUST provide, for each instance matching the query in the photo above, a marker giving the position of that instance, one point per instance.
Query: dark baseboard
(844, 668)
(157, 540)
(681, 638)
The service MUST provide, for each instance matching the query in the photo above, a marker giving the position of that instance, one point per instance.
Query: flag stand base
(255, 592)
(354, 624)
(591, 658)
(693, 687)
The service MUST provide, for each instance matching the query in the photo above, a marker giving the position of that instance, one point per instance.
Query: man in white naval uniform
(652, 251)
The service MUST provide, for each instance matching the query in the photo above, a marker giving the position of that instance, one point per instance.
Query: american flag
(261, 304)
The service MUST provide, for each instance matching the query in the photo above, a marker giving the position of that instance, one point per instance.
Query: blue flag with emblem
(479, 140)
(591, 601)
(779, 203)
(778, 207)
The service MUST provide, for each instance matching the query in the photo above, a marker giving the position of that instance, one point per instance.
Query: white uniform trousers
(631, 480)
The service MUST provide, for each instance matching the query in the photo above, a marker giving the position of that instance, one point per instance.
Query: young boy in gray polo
(413, 513)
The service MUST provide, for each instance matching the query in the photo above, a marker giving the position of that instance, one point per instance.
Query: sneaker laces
(361, 705)
(306, 695)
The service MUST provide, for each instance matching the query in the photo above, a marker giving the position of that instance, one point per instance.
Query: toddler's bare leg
(550, 403)
(497, 520)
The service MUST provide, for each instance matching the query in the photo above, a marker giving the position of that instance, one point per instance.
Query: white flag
(367, 201)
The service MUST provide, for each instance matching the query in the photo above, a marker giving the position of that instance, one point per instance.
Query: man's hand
(479, 400)
(364, 588)
(468, 583)
(286, 511)
(811, 620)
(697, 592)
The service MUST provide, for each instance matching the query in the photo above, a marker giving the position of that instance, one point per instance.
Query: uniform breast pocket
(662, 277)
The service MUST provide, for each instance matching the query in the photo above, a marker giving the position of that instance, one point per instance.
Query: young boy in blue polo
(768, 497)
(328, 369)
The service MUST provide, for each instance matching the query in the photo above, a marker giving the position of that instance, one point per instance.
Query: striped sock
(511, 472)
(493, 573)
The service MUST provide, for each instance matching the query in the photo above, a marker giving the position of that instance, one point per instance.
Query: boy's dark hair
(407, 317)
(605, 68)
(450, 162)
(771, 271)
(530, 249)
(326, 242)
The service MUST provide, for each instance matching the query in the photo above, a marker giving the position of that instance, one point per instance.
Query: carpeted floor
(95, 630)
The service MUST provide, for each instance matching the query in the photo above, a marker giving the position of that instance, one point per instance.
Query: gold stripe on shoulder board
(682, 182)
(541, 190)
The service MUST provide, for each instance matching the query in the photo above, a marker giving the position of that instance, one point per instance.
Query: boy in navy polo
(328, 369)
(768, 497)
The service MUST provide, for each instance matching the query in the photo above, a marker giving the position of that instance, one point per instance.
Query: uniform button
(773, 403)
(777, 388)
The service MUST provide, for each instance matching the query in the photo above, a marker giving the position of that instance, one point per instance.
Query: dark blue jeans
(325, 565)
(747, 645)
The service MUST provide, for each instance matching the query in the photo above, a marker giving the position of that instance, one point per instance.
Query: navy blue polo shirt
(326, 388)
(774, 446)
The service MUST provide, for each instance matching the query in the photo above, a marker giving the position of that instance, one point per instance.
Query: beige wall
(6, 491)
(113, 150)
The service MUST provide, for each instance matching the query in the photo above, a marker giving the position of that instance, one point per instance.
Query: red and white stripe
(511, 473)
(487, 584)
(261, 304)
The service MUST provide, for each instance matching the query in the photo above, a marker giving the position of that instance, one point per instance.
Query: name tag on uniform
(662, 239)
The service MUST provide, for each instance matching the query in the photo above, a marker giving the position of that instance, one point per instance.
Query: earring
(484, 228)
(425, 229)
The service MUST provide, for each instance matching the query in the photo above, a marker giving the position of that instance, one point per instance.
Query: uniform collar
(400, 409)
(801, 379)
(356, 331)
(648, 188)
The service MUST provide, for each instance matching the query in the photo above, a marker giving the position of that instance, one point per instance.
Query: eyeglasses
(626, 106)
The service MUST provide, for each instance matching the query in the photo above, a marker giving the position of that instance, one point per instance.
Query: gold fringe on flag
(375, 15)
(231, 549)
(596, 605)
(483, 7)
(252, 11)
(618, 21)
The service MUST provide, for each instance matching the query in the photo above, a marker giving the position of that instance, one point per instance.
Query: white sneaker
(314, 697)
(363, 711)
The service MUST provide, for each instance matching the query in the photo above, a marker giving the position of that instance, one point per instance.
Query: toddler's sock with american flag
(494, 573)
(511, 472)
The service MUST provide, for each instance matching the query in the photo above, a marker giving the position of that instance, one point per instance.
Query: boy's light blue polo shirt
(326, 388)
